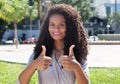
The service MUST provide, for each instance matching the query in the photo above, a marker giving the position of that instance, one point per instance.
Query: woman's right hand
(42, 62)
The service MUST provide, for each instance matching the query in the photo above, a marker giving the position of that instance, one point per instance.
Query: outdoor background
(20, 22)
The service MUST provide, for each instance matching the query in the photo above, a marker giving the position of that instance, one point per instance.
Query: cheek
(64, 33)
(50, 31)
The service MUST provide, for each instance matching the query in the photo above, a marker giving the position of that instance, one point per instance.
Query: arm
(41, 63)
(81, 76)
(26, 75)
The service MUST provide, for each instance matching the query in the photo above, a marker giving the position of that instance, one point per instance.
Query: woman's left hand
(69, 62)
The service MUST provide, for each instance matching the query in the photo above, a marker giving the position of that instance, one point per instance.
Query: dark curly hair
(75, 33)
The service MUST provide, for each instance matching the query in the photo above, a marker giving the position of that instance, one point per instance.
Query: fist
(69, 62)
(43, 62)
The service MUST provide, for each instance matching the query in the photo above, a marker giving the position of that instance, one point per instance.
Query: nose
(56, 27)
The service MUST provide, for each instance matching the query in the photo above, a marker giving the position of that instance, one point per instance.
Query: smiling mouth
(56, 34)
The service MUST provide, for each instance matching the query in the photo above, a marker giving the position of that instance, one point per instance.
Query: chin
(57, 39)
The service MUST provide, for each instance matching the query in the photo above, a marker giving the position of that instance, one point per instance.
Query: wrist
(33, 65)
(77, 67)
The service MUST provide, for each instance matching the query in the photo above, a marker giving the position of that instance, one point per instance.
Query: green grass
(9, 73)
(105, 75)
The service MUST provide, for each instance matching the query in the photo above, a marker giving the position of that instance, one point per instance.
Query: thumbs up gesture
(43, 62)
(69, 62)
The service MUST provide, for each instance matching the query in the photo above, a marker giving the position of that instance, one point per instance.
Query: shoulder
(31, 58)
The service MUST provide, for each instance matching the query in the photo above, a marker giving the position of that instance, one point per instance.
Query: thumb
(71, 53)
(43, 53)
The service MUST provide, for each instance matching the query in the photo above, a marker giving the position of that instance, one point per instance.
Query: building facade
(102, 9)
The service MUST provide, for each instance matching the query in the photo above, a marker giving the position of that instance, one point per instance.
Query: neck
(59, 46)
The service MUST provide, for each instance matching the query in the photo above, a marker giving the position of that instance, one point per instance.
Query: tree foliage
(14, 11)
(114, 21)
(114, 18)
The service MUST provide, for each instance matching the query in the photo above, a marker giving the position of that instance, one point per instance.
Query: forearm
(26, 75)
(81, 76)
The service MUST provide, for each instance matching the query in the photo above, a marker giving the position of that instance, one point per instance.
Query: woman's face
(57, 27)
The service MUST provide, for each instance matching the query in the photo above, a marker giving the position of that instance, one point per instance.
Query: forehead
(57, 17)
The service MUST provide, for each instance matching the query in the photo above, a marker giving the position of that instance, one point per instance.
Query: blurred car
(30, 40)
(4, 41)
(93, 38)
(9, 42)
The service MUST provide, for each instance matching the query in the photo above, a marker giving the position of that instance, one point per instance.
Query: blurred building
(102, 9)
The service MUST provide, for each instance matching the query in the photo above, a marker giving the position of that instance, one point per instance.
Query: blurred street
(19, 55)
(99, 55)
(104, 56)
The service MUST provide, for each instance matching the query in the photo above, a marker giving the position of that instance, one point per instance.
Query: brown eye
(62, 25)
(51, 24)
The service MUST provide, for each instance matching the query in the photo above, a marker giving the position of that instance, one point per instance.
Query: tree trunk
(1, 35)
(39, 13)
(31, 30)
(16, 35)
(40, 9)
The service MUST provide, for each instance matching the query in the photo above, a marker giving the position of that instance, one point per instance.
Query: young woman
(61, 51)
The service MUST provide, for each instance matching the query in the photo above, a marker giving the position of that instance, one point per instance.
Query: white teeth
(56, 33)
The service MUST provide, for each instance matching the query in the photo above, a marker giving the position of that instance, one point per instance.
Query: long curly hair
(75, 33)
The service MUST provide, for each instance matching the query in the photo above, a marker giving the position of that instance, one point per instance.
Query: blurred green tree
(114, 21)
(14, 11)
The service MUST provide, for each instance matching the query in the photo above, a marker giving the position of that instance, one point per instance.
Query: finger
(48, 60)
(71, 53)
(43, 53)
(65, 62)
(63, 57)
(47, 63)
